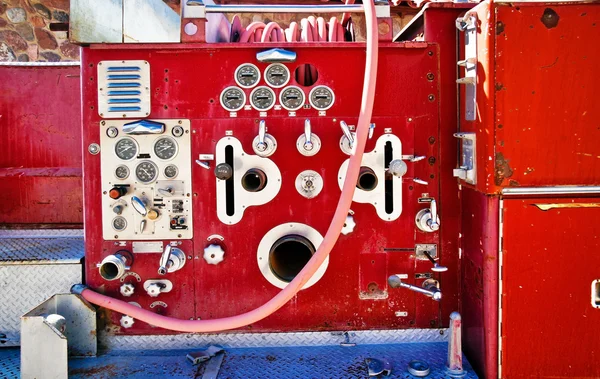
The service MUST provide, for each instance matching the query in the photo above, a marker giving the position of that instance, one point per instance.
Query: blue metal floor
(266, 362)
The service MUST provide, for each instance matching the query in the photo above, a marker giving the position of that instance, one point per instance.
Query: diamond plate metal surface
(10, 363)
(270, 362)
(23, 287)
(22, 251)
(41, 233)
(246, 340)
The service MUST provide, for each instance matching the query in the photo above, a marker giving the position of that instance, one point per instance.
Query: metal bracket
(428, 247)
(468, 162)
(468, 25)
(276, 56)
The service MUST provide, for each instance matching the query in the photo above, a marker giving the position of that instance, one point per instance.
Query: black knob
(223, 171)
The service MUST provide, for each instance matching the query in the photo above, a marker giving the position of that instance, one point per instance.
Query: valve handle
(308, 145)
(262, 131)
(139, 205)
(164, 260)
(433, 221)
(347, 133)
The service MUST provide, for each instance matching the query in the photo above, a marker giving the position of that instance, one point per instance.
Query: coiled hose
(333, 232)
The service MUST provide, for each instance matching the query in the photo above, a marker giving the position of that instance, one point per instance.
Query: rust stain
(502, 170)
(499, 27)
(108, 369)
(546, 207)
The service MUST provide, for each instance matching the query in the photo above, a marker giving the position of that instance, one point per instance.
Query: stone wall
(25, 34)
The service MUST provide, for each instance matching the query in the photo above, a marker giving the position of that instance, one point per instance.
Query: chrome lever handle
(164, 260)
(433, 221)
(139, 205)
(308, 145)
(262, 131)
(347, 133)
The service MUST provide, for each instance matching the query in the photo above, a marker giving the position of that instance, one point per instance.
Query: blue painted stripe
(123, 69)
(123, 101)
(123, 85)
(124, 109)
(124, 93)
(123, 77)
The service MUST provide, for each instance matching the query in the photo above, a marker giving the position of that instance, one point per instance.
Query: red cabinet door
(551, 257)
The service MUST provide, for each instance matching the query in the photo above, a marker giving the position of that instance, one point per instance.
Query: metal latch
(468, 25)
(468, 161)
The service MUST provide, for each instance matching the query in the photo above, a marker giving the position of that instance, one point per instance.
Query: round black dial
(126, 149)
(292, 98)
(119, 223)
(165, 148)
(262, 98)
(247, 75)
(277, 75)
(233, 99)
(122, 172)
(321, 98)
(146, 172)
(171, 171)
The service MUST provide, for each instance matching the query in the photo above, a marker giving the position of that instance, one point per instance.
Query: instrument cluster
(262, 98)
(146, 179)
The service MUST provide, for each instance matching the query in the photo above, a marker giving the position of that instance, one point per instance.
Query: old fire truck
(306, 189)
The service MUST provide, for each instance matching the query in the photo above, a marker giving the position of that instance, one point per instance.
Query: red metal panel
(550, 258)
(480, 227)
(236, 285)
(41, 135)
(546, 86)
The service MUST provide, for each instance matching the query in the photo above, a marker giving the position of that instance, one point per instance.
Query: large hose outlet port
(289, 255)
(114, 266)
(367, 180)
(254, 180)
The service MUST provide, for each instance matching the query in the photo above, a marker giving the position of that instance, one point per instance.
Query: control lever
(171, 260)
(308, 144)
(223, 171)
(398, 168)
(429, 288)
(139, 205)
(168, 192)
(427, 219)
(436, 266)
(347, 142)
(264, 144)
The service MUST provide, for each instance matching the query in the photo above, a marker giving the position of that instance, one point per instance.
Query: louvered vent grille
(123, 89)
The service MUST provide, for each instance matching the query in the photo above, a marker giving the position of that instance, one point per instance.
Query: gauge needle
(165, 148)
(125, 149)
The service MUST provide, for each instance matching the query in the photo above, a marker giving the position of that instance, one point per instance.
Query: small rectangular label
(233, 114)
(147, 247)
(277, 107)
(401, 314)
(229, 132)
(263, 114)
(247, 107)
(292, 114)
(207, 157)
(322, 113)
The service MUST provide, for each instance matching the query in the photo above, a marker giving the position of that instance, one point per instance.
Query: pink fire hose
(341, 212)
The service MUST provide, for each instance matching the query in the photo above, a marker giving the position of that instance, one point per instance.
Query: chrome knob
(262, 131)
(398, 168)
(171, 260)
(127, 321)
(127, 289)
(427, 219)
(308, 145)
(154, 289)
(214, 254)
(264, 144)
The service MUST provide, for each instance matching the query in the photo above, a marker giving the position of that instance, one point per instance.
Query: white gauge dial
(277, 75)
(165, 148)
(262, 98)
(126, 149)
(321, 98)
(146, 172)
(233, 99)
(247, 75)
(292, 98)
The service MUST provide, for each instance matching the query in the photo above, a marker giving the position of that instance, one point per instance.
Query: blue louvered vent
(123, 89)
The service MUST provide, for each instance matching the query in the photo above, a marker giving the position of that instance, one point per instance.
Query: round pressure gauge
(262, 98)
(126, 149)
(233, 99)
(165, 148)
(292, 98)
(171, 171)
(177, 131)
(146, 172)
(119, 223)
(277, 75)
(247, 75)
(122, 172)
(321, 98)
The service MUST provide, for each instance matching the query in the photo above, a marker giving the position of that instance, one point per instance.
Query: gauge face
(146, 172)
(177, 131)
(233, 99)
(277, 75)
(122, 172)
(262, 98)
(321, 98)
(126, 149)
(171, 171)
(119, 223)
(292, 98)
(165, 148)
(247, 75)
(112, 132)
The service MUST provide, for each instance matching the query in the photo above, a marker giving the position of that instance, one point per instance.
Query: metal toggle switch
(427, 219)
(348, 139)
(436, 266)
(172, 259)
(308, 144)
(264, 144)
(139, 205)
